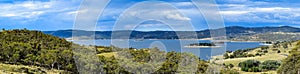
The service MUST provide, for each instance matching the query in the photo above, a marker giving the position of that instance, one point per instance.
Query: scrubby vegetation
(250, 66)
(291, 64)
(276, 57)
(238, 54)
(270, 65)
(44, 52)
(35, 48)
(257, 66)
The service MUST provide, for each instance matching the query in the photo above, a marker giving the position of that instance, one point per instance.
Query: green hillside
(275, 59)
(291, 64)
(33, 48)
(25, 51)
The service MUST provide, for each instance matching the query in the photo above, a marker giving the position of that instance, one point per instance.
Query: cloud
(33, 14)
(260, 12)
(233, 12)
(60, 14)
(177, 17)
(23, 10)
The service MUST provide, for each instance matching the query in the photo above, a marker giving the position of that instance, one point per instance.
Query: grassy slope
(19, 69)
(271, 55)
(109, 54)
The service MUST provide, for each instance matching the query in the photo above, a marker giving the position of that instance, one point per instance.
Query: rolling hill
(232, 32)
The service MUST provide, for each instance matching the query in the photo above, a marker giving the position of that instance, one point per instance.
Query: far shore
(70, 39)
(202, 46)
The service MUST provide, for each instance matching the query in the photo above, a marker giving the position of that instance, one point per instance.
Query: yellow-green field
(271, 55)
(21, 69)
(110, 54)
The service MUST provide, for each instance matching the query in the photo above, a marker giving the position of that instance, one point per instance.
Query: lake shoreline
(70, 39)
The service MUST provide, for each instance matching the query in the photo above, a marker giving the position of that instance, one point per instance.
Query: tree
(226, 55)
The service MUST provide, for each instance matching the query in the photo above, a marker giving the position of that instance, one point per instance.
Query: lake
(175, 45)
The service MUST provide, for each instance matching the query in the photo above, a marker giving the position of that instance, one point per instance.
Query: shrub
(278, 51)
(259, 54)
(229, 66)
(270, 65)
(250, 66)
(274, 49)
(265, 51)
(229, 71)
(259, 51)
(250, 55)
(226, 56)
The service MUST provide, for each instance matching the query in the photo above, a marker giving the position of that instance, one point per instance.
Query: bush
(229, 71)
(265, 51)
(250, 66)
(228, 66)
(270, 65)
(278, 51)
(250, 55)
(274, 49)
(259, 54)
(239, 53)
(259, 51)
(226, 55)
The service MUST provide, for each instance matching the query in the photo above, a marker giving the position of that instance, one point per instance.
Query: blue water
(175, 45)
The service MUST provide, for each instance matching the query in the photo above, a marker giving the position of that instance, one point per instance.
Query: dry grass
(110, 54)
(271, 55)
(20, 69)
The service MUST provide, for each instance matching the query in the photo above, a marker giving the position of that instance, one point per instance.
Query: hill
(280, 52)
(34, 48)
(291, 64)
(25, 51)
(270, 36)
(33, 52)
(232, 32)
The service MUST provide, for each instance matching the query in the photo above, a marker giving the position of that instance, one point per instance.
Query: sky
(48, 15)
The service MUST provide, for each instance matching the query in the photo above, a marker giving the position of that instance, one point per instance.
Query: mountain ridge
(231, 32)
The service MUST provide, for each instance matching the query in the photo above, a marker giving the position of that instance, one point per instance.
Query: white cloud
(177, 17)
(183, 4)
(269, 9)
(29, 9)
(8, 15)
(259, 12)
(233, 12)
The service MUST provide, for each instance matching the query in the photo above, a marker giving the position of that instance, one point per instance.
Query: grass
(236, 61)
(271, 55)
(22, 69)
(109, 54)
(268, 72)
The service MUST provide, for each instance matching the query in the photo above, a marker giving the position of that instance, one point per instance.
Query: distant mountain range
(232, 32)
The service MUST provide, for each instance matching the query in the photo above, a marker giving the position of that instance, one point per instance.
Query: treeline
(35, 48)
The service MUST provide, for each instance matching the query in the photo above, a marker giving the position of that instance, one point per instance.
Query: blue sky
(60, 14)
